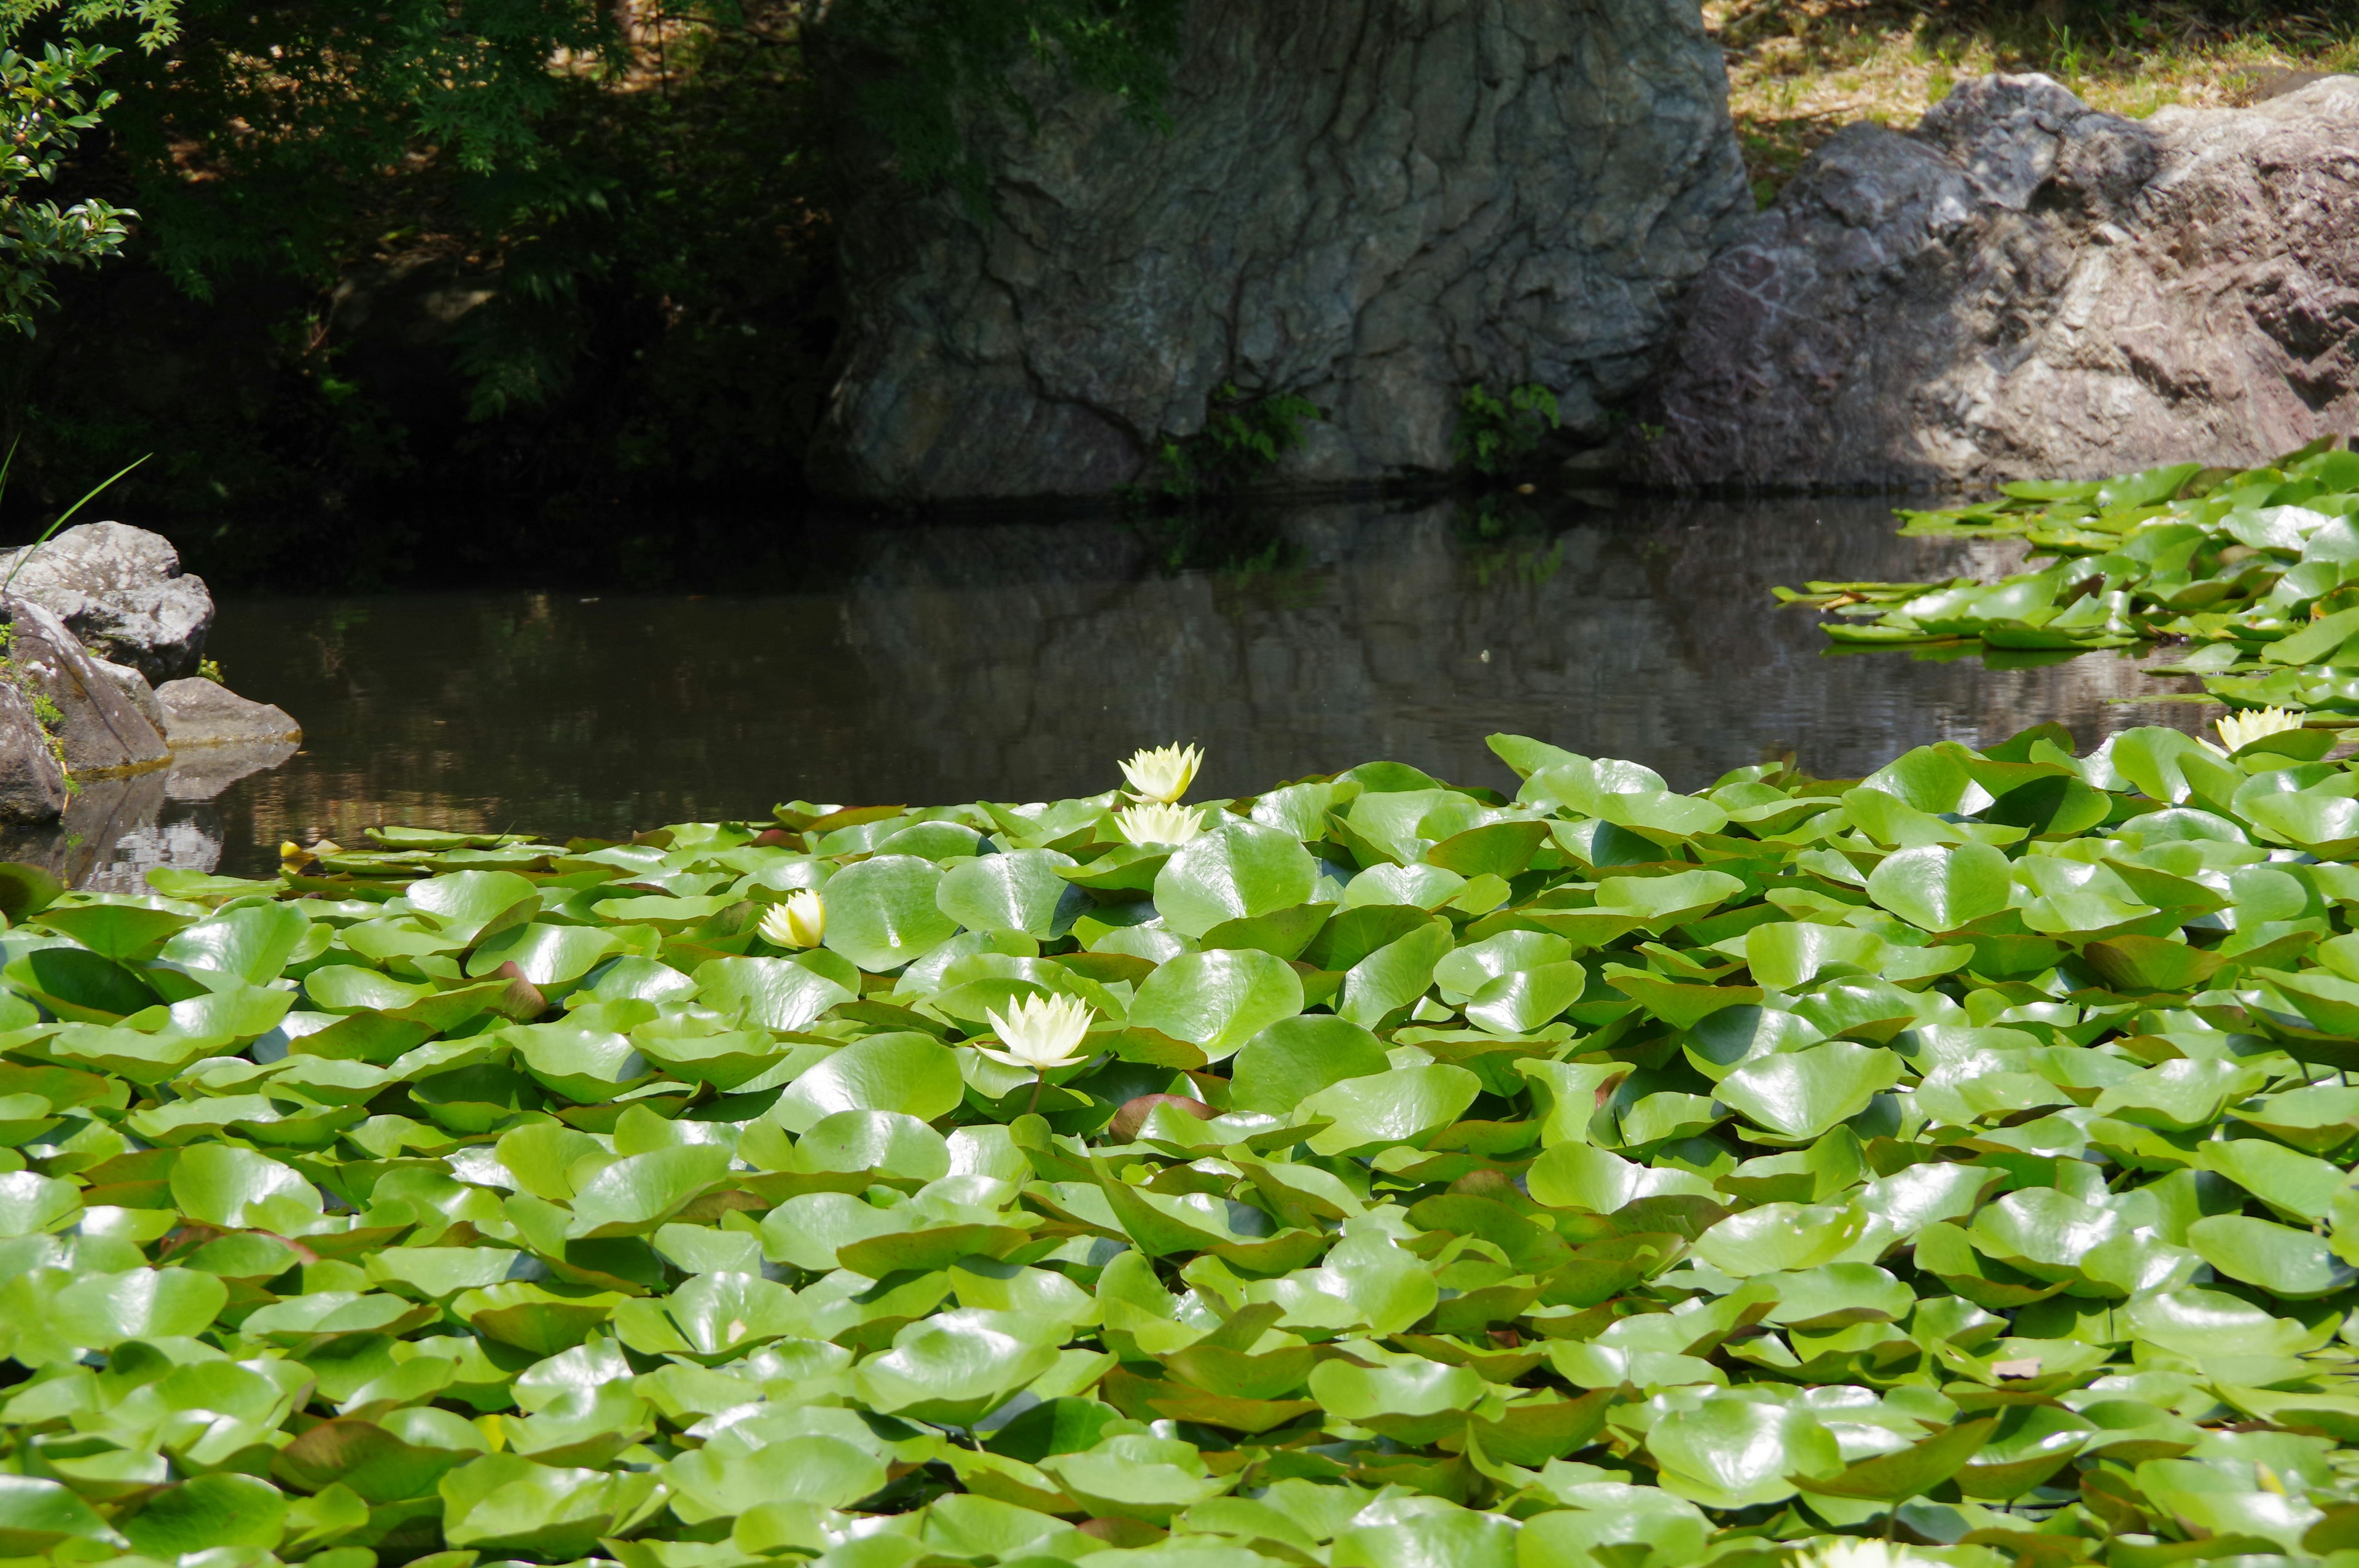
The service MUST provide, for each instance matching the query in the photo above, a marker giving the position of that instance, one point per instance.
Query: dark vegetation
(437, 290)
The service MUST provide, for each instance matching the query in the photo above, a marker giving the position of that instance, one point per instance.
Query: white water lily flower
(2238, 730)
(1164, 773)
(1852, 1553)
(800, 922)
(1158, 824)
(1040, 1033)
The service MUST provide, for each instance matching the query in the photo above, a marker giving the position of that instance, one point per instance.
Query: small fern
(1494, 434)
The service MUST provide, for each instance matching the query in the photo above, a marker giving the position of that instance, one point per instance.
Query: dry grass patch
(1800, 70)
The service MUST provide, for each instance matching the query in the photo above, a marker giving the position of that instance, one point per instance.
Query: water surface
(1015, 659)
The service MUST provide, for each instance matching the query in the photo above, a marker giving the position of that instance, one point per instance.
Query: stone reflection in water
(115, 830)
(1015, 660)
(1407, 634)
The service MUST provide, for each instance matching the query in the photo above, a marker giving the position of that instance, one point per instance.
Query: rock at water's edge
(199, 713)
(121, 590)
(103, 732)
(2026, 287)
(1371, 204)
(32, 784)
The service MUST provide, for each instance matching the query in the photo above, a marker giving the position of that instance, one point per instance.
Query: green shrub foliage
(48, 101)
(1596, 1175)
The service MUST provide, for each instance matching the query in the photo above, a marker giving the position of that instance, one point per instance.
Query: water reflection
(1013, 660)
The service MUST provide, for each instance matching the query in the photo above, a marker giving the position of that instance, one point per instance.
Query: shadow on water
(1015, 660)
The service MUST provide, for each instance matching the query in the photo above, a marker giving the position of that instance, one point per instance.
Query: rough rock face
(1368, 203)
(2024, 286)
(103, 733)
(121, 590)
(199, 713)
(135, 689)
(32, 785)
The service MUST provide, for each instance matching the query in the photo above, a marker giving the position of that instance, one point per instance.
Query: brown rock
(2026, 287)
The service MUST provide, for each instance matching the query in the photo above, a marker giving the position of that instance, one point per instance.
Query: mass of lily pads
(2255, 571)
(1370, 1173)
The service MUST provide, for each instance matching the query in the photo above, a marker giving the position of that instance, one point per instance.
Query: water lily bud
(800, 922)
(1164, 773)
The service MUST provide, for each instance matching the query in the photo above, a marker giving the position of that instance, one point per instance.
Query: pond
(1015, 658)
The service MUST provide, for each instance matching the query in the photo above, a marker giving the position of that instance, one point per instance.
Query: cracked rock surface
(2027, 287)
(1367, 204)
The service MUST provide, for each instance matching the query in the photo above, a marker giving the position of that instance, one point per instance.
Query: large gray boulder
(1372, 204)
(2026, 287)
(101, 730)
(121, 590)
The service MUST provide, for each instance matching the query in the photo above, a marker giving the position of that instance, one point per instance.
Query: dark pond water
(1015, 660)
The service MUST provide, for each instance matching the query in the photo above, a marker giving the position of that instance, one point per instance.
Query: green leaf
(1497, 848)
(882, 913)
(31, 1204)
(1217, 1000)
(505, 1503)
(1664, 902)
(1908, 1472)
(1940, 889)
(1780, 1238)
(550, 956)
(952, 1368)
(1577, 1176)
(1730, 1453)
(1239, 869)
(75, 983)
(119, 931)
(907, 1073)
(2289, 1263)
(36, 1515)
(1137, 1477)
(208, 1511)
(816, 1468)
(470, 906)
(1405, 1105)
(1412, 1400)
(1799, 1094)
(1447, 1535)
(1391, 979)
(238, 1189)
(1294, 1058)
(1525, 1000)
(640, 1192)
(771, 994)
(1019, 892)
(104, 1310)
